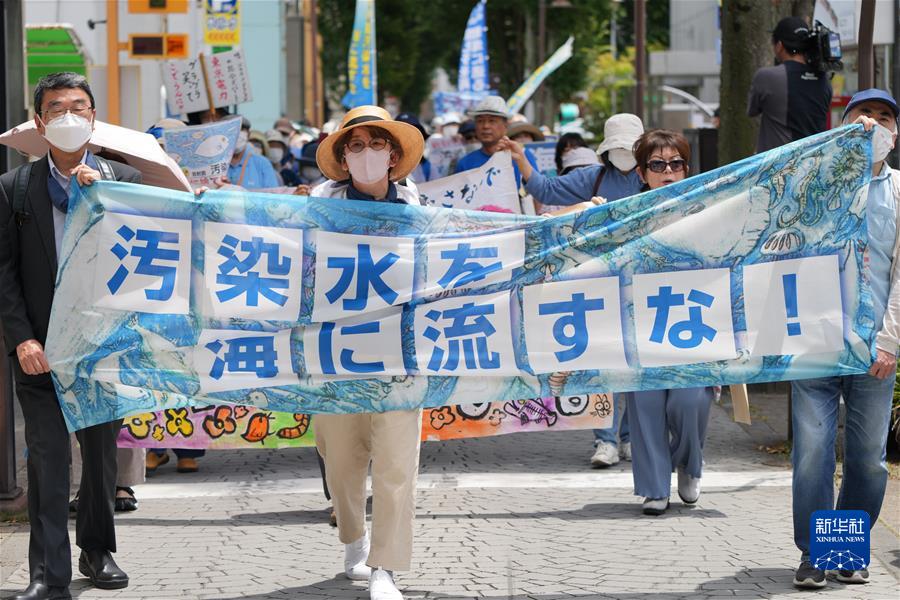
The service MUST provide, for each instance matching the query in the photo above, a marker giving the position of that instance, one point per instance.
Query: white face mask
(369, 165)
(882, 143)
(310, 173)
(241, 143)
(69, 132)
(622, 159)
(275, 155)
(450, 130)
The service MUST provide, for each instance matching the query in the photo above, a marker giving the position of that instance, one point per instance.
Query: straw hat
(525, 127)
(411, 142)
(493, 106)
(621, 131)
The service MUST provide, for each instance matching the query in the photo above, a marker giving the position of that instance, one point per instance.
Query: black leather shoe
(36, 590)
(101, 569)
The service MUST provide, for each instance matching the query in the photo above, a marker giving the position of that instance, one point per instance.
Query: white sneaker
(355, 555)
(688, 487)
(381, 586)
(625, 451)
(606, 455)
(655, 506)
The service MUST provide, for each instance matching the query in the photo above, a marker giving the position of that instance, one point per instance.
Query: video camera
(823, 49)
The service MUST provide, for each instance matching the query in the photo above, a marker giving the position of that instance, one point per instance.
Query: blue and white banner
(527, 89)
(474, 67)
(203, 151)
(362, 71)
(750, 273)
(458, 102)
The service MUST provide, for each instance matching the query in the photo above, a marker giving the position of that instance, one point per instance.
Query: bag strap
(598, 181)
(106, 170)
(20, 190)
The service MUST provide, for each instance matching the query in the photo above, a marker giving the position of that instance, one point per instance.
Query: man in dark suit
(30, 237)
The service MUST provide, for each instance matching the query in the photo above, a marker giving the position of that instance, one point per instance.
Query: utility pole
(866, 51)
(640, 47)
(112, 62)
(541, 57)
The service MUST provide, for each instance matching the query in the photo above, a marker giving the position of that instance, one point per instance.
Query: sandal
(125, 503)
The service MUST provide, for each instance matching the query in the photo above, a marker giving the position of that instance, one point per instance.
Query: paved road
(516, 516)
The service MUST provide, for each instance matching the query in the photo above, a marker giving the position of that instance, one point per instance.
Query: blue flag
(473, 59)
(362, 75)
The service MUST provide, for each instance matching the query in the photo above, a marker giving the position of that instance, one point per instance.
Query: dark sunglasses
(659, 166)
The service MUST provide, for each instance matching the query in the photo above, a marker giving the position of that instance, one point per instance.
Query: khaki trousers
(391, 442)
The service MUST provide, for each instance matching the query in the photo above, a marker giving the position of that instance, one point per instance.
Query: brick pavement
(252, 525)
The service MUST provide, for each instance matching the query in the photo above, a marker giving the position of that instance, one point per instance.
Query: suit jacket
(28, 269)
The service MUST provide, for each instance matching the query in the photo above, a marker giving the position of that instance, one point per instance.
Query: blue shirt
(475, 159)
(881, 220)
(259, 172)
(578, 185)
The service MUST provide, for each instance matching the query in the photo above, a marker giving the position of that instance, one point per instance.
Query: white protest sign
(443, 154)
(490, 187)
(229, 82)
(185, 88)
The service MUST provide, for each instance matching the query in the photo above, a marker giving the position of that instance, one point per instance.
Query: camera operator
(793, 96)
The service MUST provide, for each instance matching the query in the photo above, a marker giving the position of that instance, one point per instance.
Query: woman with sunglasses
(668, 427)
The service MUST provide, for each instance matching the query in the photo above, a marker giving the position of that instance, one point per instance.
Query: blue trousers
(668, 428)
(619, 430)
(814, 418)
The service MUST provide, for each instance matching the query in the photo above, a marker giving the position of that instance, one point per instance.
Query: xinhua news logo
(839, 540)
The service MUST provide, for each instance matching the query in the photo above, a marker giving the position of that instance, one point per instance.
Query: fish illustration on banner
(305, 305)
(473, 57)
(362, 66)
(491, 186)
(527, 89)
(203, 151)
(241, 426)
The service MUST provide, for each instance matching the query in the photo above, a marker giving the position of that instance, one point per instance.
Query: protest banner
(458, 102)
(222, 22)
(491, 187)
(473, 57)
(203, 151)
(220, 79)
(224, 426)
(443, 154)
(545, 154)
(750, 273)
(362, 67)
(527, 89)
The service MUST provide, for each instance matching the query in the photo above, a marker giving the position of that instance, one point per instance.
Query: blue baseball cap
(872, 94)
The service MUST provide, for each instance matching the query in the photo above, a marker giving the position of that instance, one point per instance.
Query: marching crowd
(370, 156)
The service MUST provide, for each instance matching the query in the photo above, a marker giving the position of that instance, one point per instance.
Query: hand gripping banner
(750, 273)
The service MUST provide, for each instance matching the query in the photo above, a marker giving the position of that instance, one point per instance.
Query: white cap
(579, 157)
(451, 117)
(491, 105)
(621, 131)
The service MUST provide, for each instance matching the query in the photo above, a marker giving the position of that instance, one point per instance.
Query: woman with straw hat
(363, 160)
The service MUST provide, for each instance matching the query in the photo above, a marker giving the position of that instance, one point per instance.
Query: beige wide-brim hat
(517, 128)
(412, 144)
(621, 131)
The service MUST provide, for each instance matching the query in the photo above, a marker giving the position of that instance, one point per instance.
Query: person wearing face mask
(309, 175)
(363, 160)
(616, 178)
(422, 172)
(277, 148)
(33, 206)
(867, 397)
(248, 169)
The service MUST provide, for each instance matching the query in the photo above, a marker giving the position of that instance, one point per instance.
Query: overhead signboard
(157, 6)
(222, 22)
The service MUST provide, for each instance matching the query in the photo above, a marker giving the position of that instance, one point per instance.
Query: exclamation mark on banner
(789, 282)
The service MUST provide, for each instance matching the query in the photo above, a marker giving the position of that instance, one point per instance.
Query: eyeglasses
(357, 146)
(659, 166)
(82, 110)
